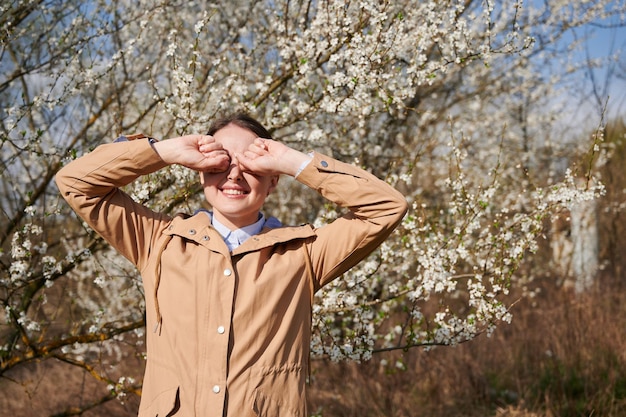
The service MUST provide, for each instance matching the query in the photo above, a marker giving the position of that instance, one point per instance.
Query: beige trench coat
(228, 334)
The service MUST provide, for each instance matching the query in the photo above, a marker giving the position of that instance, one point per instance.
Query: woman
(229, 291)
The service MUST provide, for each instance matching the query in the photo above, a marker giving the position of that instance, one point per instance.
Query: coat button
(228, 272)
(192, 231)
(216, 389)
(205, 237)
(324, 164)
(221, 330)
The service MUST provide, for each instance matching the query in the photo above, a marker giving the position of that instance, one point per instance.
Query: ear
(273, 184)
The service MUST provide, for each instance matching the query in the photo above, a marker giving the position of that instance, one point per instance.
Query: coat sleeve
(91, 186)
(375, 210)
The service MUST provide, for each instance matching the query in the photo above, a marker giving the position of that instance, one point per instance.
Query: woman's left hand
(269, 157)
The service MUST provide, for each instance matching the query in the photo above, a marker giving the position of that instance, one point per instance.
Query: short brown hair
(242, 120)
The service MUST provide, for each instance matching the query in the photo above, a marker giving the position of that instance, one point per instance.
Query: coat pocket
(166, 404)
(280, 392)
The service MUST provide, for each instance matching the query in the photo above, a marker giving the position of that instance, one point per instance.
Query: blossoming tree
(454, 103)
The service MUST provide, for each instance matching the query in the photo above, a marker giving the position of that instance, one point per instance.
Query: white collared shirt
(234, 238)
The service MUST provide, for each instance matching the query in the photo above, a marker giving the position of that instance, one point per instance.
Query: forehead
(234, 138)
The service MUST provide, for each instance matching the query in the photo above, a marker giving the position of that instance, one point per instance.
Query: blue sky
(608, 39)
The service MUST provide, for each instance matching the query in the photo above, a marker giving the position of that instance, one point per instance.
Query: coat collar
(198, 228)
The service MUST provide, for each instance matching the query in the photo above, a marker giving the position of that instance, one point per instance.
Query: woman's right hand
(197, 152)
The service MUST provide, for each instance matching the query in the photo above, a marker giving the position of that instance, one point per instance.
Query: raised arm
(91, 186)
(375, 208)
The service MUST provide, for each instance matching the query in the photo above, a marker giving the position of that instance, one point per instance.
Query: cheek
(209, 186)
(260, 186)
(210, 194)
(209, 180)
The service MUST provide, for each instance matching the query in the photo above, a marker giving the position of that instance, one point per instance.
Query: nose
(235, 172)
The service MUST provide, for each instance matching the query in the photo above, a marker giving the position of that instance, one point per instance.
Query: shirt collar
(234, 238)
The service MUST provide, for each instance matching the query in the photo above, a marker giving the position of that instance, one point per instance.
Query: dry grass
(564, 356)
(52, 388)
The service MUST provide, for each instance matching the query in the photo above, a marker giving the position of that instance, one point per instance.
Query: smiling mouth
(233, 192)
